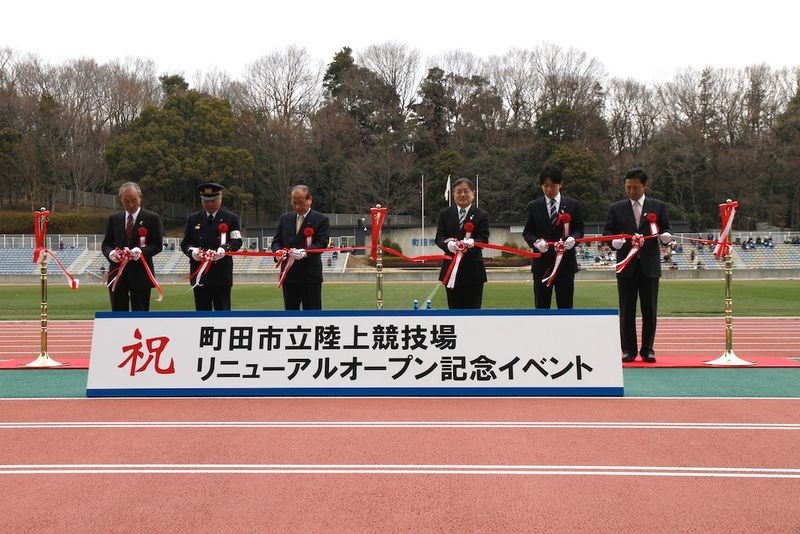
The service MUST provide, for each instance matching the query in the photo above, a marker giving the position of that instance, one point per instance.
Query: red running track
(702, 338)
(400, 465)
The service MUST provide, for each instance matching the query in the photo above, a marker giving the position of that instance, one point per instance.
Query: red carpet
(697, 361)
(74, 363)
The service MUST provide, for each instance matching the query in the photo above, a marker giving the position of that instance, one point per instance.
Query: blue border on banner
(359, 392)
(343, 313)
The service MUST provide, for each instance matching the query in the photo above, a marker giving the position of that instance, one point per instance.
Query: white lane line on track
(398, 424)
(401, 469)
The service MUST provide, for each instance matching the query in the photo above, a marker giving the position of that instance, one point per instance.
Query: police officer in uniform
(216, 229)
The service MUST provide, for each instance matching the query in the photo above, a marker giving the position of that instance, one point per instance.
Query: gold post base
(730, 359)
(44, 360)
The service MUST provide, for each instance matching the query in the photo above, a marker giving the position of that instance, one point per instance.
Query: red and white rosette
(637, 241)
(308, 232)
(652, 220)
(564, 219)
(223, 234)
(560, 247)
(377, 216)
(142, 231)
(461, 248)
(726, 213)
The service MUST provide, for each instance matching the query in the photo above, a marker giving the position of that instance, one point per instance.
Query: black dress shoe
(649, 357)
(628, 358)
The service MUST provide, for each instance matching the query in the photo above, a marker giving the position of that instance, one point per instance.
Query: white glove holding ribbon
(569, 243)
(219, 254)
(469, 242)
(665, 237)
(136, 253)
(616, 244)
(452, 246)
(298, 253)
(540, 245)
(113, 256)
(196, 255)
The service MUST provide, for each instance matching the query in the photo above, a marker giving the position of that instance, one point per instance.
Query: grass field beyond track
(677, 298)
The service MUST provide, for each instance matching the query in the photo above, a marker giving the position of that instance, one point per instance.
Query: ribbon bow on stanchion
(727, 211)
(40, 251)
(378, 216)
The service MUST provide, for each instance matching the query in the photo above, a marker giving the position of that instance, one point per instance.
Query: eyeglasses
(462, 191)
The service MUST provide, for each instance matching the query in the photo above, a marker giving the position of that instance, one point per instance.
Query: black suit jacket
(198, 233)
(537, 226)
(622, 221)
(309, 269)
(115, 238)
(471, 270)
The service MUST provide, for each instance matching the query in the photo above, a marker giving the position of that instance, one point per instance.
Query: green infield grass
(677, 298)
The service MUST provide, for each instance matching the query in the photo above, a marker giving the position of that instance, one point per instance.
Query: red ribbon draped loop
(637, 241)
(560, 247)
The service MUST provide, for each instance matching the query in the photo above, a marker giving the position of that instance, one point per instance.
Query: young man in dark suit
(136, 231)
(297, 231)
(216, 229)
(546, 222)
(639, 279)
(450, 234)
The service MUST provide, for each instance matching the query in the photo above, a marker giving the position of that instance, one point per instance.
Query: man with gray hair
(135, 235)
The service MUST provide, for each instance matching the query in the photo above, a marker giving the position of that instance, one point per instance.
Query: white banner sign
(431, 352)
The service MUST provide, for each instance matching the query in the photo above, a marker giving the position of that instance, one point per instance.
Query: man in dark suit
(297, 231)
(451, 237)
(217, 230)
(639, 279)
(546, 222)
(136, 232)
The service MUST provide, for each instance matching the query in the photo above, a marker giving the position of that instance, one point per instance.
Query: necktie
(299, 224)
(210, 219)
(637, 213)
(462, 214)
(552, 211)
(128, 227)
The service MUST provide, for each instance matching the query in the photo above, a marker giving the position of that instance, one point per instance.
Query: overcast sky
(645, 40)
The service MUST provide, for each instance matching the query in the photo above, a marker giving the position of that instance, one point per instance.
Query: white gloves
(569, 243)
(665, 237)
(136, 253)
(540, 245)
(196, 256)
(298, 253)
(469, 242)
(616, 244)
(452, 246)
(113, 256)
(219, 254)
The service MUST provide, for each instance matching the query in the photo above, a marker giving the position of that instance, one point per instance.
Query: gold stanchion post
(728, 357)
(44, 359)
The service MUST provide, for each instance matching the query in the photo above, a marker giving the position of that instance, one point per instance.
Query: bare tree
(285, 85)
(398, 66)
(515, 80)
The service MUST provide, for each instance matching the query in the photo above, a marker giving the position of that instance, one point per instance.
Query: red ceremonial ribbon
(127, 256)
(142, 236)
(39, 231)
(636, 241)
(726, 212)
(452, 270)
(207, 258)
(560, 247)
(223, 234)
(378, 216)
(40, 219)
